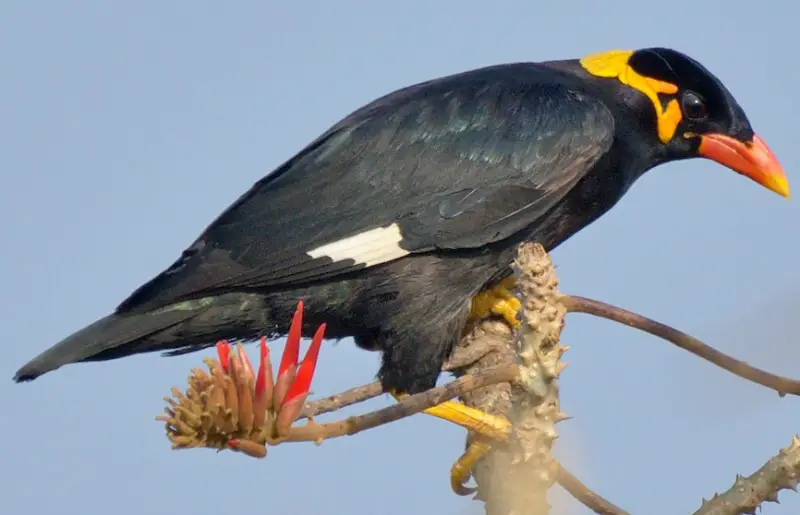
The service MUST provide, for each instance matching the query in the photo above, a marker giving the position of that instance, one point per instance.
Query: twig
(464, 356)
(313, 432)
(584, 494)
(783, 385)
(342, 400)
(461, 357)
(781, 472)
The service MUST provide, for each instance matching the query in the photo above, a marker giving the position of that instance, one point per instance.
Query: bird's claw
(489, 428)
(498, 300)
(480, 422)
(462, 469)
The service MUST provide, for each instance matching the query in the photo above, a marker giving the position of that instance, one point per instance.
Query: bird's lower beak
(752, 159)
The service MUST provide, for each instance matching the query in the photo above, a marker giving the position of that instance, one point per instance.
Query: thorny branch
(514, 374)
(781, 472)
(515, 477)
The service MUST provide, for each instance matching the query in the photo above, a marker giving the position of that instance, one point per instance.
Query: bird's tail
(181, 328)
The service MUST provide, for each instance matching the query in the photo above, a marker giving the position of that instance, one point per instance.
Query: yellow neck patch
(614, 64)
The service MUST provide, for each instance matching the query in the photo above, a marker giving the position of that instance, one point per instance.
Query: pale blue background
(125, 127)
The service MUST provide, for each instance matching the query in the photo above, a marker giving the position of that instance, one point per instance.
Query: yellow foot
(497, 300)
(462, 469)
(489, 427)
(482, 423)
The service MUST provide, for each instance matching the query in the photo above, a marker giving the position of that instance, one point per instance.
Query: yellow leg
(498, 300)
(495, 301)
(491, 426)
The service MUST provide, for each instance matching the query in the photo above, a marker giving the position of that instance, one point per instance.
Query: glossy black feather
(458, 163)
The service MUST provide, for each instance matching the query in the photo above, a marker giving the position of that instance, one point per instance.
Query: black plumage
(434, 184)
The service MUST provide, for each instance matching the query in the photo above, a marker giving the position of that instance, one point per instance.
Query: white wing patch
(368, 248)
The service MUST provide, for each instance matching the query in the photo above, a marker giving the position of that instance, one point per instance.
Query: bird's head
(693, 113)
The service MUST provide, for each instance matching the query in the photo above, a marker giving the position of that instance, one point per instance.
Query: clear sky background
(126, 127)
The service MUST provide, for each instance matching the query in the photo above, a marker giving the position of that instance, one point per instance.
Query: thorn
(224, 352)
(560, 367)
(560, 417)
(291, 352)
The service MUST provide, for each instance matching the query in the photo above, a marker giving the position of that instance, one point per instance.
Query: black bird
(392, 221)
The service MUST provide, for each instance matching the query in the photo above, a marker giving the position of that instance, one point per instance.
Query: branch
(313, 432)
(342, 400)
(581, 492)
(461, 357)
(781, 472)
(783, 385)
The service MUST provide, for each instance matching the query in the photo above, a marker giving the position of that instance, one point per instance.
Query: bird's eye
(693, 106)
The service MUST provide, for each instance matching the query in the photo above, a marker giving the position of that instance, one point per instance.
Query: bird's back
(433, 154)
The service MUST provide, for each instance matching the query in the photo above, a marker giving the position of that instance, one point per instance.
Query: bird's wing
(459, 162)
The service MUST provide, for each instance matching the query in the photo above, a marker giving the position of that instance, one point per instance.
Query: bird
(398, 225)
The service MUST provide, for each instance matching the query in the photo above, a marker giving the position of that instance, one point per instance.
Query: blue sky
(125, 127)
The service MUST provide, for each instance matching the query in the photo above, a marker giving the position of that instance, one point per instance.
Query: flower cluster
(232, 407)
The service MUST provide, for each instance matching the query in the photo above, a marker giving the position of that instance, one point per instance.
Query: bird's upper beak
(752, 159)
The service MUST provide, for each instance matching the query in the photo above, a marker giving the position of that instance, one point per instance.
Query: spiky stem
(516, 476)
(781, 472)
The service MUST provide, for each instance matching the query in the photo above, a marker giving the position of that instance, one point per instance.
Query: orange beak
(751, 159)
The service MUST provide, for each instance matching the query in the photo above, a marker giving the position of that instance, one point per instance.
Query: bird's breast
(592, 196)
